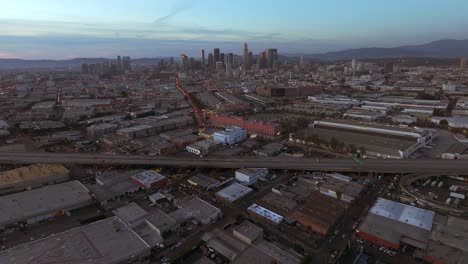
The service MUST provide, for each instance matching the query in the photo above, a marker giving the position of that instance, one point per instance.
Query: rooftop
(404, 213)
(31, 172)
(105, 242)
(261, 211)
(130, 213)
(233, 192)
(45, 200)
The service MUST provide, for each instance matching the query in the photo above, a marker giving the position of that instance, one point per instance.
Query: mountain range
(446, 48)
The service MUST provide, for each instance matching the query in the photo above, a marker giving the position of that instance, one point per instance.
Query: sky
(62, 29)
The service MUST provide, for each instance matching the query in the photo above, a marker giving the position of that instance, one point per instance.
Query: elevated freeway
(339, 164)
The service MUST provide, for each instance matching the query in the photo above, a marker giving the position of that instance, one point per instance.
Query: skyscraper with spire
(203, 59)
(245, 58)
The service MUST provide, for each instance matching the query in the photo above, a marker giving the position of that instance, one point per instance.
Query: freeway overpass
(343, 165)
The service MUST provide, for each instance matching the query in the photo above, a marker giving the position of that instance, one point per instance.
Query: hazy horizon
(68, 29)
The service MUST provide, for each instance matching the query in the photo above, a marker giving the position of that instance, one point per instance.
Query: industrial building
(246, 245)
(131, 214)
(447, 242)
(233, 193)
(160, 222)
(264, 214)
(232, 135)
(249, 176)
(40, 204)
(343, 190)
(112, 186)
(33, 176)
(391, 224)
(109, 241)
(196, 209)
(320, 213)
(262, 129)
(203, 182)
(149, 179)
(201, 147)
(377, 140)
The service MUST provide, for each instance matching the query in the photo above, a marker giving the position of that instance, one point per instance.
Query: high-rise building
(353, 66)
(210, 60)
(192, 63)
(119, 63)
(388, 67)
(217, 55)
(245, 58)
(85, 68)
(262, 60)
(126, 63)
(230, 59)
(222, 58)
(184, 63)
(202, 58)
(301, 61)
(462, 63)
(272, 56)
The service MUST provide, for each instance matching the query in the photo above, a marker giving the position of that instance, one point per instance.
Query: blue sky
(58, 29)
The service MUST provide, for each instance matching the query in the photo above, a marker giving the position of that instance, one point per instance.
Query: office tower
(203, 58)
(272, 55)
(192, 63)
(301, 61)
(210, 59)
(250, 60)
(171, 60)
(262, 61)
(353, 66)
(219, 66)
(126, 63)
(222, 58)
(217, 56)
(245, 58)
(462, 63)
(230, 59)
(388, 67)
(119, 63)
(85, 68)
(183, 63)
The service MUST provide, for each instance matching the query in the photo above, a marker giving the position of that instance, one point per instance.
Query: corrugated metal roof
(404, 213)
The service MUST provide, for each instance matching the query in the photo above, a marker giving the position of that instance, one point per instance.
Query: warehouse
(160, 222)
(113, 185)
(32, 176)
(43, 203)
(109, 241)
(230, 136)
(131, 214)
(320, 213)
(149, 179)
(203, 182)
(197, 209)
(233, 193)
(249, 176)
(342, 190)
(376, 140)
(390, 224)
(258, 211)
(448, 241)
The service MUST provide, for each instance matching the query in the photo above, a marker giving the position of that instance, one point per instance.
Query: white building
(230, 136)
(249, 176)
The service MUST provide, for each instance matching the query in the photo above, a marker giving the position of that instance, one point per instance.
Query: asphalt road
(338, 164)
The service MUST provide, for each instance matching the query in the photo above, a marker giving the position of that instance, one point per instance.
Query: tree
(352, 149)
(334, 143)
(362, 150)
(443, 123)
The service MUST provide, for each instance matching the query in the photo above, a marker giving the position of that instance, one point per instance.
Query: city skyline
(61, 30)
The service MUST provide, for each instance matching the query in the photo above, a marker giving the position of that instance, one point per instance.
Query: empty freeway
(344, 165)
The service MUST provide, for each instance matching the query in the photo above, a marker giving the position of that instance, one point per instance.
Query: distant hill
(64, 64)
(447, 48)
